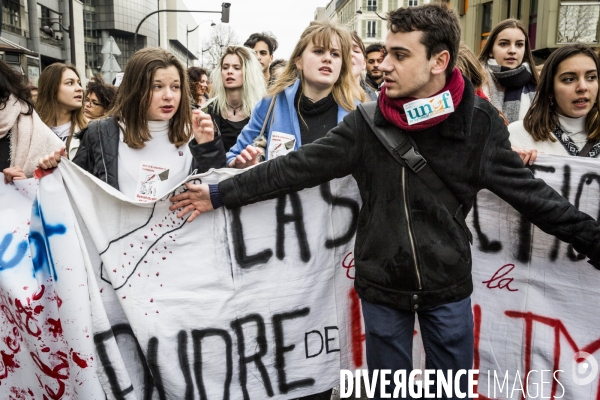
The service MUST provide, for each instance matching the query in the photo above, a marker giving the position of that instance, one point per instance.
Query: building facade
(549, 23)
(37, 30)
(366, 17)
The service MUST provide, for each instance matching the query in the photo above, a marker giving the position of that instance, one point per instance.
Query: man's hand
(203, 126)
(248, 157)
(13, 173)
(528, 156)
(196, 200)
(52, 159)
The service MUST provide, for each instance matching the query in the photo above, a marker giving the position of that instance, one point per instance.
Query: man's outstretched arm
(336, 155)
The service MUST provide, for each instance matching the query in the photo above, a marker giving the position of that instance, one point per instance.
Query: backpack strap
(404, 151)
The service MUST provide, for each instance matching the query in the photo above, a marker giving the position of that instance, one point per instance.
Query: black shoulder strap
(585, 152)
(401, 148)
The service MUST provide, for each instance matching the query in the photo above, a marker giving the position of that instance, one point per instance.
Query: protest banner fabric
(258, 302)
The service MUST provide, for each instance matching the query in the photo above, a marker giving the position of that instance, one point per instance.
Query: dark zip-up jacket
(98, 152)
(410, 253)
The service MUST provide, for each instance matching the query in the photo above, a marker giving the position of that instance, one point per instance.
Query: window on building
(11, 12)
(578, 22)
(486, 23)
(393, 5)
(371, 5)
(533, 10)
(412, 3)
(371, 29)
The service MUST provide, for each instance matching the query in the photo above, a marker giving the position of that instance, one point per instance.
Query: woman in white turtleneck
(564, 117)
(146, 146)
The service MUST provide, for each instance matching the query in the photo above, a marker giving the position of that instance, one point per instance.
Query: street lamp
(186, 39)
(224, 18)
(359, 11)
(49, 31)
(187, 46)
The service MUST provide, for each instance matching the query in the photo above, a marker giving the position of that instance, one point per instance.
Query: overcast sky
(285, 18)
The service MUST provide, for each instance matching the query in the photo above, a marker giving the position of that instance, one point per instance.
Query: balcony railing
(52, 42)
(15, 29)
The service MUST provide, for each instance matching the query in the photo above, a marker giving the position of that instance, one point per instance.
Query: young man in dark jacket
(411, 255)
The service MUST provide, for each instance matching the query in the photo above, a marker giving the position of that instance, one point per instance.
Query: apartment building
(36, 33)
(549, 23)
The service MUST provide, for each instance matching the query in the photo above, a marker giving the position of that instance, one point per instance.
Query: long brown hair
(47, 103)
(470, 67)
(194, 77)
(135, 95)
(541, 118)
(346, 89)
(484, 55)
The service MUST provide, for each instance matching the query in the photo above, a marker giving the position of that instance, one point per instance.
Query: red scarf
(393, 109)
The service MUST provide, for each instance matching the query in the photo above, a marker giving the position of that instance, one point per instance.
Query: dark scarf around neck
(512, 78)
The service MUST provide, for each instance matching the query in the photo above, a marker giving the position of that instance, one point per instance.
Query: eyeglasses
(92, 103)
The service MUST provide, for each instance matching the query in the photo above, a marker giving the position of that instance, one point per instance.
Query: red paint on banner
(59, 372)
(55, 326)
(348, 264)
(357, 337)
(559, 331)
(38, 295)
(10, 364)
(40, 173)
(79, 361)
(495, 282)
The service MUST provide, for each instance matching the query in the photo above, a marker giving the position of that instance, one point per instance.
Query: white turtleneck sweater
(158, 152)
(574, 127)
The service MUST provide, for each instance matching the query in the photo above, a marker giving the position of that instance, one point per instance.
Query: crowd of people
(304, 122)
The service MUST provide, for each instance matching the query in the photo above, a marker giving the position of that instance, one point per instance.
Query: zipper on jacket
(410, 235)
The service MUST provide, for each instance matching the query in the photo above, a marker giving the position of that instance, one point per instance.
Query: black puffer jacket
(98, 152)
(410, 254)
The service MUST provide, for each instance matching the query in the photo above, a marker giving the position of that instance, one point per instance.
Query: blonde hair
(346, 89)
(135, 95)
(47, 103)
(253, 88)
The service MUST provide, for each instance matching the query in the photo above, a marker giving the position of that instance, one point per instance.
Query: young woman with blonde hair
(151, 122)
(313, 93)
(359, 64)
(60, 103)
(238, 84)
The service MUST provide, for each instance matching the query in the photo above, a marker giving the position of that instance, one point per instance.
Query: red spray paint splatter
(9, 364)
(79, 361)
(55, 326)
(357, 335)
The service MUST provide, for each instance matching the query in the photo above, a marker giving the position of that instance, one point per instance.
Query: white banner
(46, 339)
(132, 303)
(535, 300)
(245, 304)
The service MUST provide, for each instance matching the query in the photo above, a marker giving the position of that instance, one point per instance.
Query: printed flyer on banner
(153, 181)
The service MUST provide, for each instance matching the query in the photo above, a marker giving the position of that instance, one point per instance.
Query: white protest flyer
(153, 181)
(423, 109)
(281, 144)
